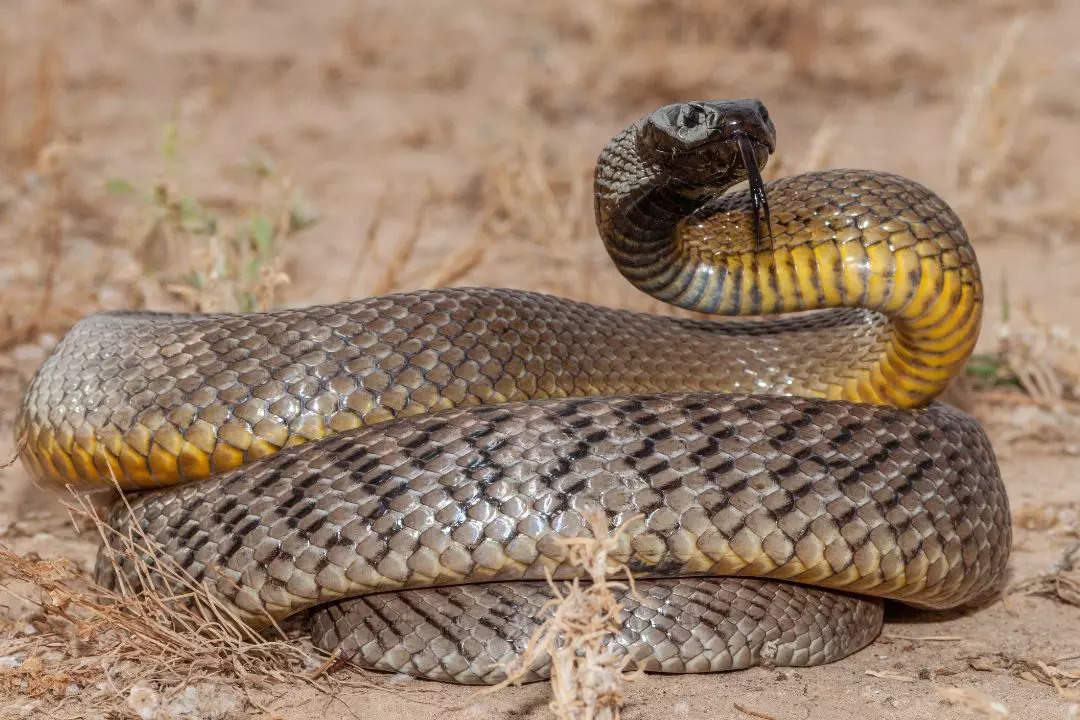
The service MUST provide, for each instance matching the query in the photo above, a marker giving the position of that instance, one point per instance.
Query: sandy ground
(482, 120)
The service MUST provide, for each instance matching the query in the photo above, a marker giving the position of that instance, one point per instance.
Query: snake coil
(406, 463)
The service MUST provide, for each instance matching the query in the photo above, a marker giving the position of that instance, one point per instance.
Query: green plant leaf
(170, 142)
(245, 299)
(251, 269)
(989, 370)
(262, 230)
(119, 186)
(195, 218)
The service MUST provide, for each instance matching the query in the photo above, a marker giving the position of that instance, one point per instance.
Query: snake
(404, 470)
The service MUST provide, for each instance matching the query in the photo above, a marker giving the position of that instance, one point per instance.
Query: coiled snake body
(435, 444)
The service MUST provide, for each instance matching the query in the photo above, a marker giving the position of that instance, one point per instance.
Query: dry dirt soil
(196, 153)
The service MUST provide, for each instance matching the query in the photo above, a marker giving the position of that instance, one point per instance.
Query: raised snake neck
(831, 493)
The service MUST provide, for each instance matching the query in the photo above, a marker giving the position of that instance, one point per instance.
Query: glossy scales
(409, 462)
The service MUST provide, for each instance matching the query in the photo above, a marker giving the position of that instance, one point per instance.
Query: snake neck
(840, 239)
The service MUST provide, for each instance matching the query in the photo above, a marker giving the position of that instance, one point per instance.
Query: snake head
(705, 142)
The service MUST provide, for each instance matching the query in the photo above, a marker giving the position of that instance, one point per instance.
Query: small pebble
(143, 701)
(10, 661)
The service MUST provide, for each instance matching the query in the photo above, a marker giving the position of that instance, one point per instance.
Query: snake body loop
(407, 462)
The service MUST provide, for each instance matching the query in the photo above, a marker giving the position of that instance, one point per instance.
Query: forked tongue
(759, 201)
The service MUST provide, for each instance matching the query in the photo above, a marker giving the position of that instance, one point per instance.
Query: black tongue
(759, 201)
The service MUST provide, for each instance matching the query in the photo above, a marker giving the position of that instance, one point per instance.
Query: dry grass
(1044, 359)
(990, 176)
(554, 232)
(169, 647)
(137, 651)
(206, 260)
(24, 135)
(134, 654)
(1061, 583)
(1062, 674)
(588, 677)
(1033, 384)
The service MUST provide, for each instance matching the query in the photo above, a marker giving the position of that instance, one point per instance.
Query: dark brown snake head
(711, 145)
(700, 141)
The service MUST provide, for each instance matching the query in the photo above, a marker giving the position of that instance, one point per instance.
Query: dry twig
(148, 643)
(588, 678)
(1061, 583)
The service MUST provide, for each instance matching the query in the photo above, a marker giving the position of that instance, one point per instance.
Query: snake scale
(406, 464)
